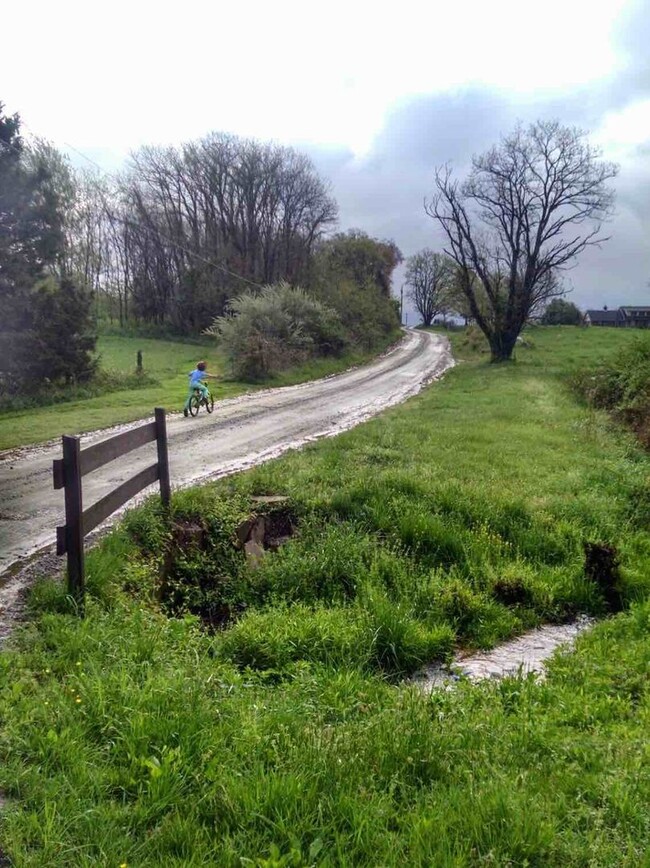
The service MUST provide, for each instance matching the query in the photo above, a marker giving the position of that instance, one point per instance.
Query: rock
(270, 499)
(253, 528)
(268, 530)
(258, 529)
(254, 553)
(244, 530)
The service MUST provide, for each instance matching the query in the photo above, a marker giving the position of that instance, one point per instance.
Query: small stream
(525, 654)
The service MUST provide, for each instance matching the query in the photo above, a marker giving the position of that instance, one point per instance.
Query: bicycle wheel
(209, 403)
(195, 403)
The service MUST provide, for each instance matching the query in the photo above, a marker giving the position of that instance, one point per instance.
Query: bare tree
(456, 298)
(213, 216)
(428, 277)
(529, 207)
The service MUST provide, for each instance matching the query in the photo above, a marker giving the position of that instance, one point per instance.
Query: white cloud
(126, 73)
(621, 132)
(107, 78)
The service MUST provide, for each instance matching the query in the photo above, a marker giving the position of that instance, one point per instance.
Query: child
(196, 377)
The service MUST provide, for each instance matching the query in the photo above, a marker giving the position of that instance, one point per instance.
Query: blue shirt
(196, 376)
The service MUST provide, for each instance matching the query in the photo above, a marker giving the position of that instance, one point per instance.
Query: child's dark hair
(200, 366)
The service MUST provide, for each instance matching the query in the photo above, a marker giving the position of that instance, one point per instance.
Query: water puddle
(524, 654)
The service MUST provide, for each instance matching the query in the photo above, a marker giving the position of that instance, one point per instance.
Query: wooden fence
(76, 463)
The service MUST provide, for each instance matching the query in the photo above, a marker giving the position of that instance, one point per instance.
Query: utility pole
(401, 305)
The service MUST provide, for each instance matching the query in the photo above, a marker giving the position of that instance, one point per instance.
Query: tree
(198, 224)
(44, 316)
(529, 207)
(457, 300)
(429, 277)
(352, 274)
(30, 229)
(365, 260)
(561, 312)
(62, 337)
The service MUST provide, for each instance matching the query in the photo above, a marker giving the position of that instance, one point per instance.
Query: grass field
(168, 363)
(289, 738)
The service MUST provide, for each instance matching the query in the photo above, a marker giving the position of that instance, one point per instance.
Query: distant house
(636, 317)
(603, 317)
(628, 316)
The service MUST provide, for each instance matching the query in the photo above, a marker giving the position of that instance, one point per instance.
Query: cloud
(379, 97)
(383, 192)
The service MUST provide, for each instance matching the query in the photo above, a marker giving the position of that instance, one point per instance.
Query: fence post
(163, 457)
(74, 519)
(138, 361)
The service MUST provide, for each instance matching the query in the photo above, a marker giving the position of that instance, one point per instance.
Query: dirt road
(240, 433)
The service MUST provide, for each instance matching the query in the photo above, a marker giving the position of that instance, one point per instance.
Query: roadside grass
(229, 714)
(166, 364)
(621, 386)
(126, 742)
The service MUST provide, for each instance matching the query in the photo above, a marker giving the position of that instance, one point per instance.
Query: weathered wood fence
(76, 463)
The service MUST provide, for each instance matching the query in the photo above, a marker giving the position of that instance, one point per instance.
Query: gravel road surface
(241, 432)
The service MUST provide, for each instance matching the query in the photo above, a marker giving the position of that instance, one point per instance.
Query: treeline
(434, 285)
(169, 244)
(184, 230)
(174, 237)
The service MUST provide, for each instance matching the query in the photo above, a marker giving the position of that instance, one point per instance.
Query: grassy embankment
(166, 364)
(286, 739)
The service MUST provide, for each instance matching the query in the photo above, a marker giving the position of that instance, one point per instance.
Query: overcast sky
(378, 94)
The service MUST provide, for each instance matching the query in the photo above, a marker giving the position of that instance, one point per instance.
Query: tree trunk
(502, 345)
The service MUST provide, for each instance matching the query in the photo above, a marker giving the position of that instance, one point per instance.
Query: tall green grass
(126, 742)
(621, 385)
(208, 711)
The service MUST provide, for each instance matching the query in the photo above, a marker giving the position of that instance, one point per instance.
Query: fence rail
(76, 463)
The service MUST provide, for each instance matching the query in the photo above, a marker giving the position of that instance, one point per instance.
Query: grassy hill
(288, 736)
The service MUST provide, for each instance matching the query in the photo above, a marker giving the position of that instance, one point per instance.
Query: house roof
(604, 315)
(637, 308)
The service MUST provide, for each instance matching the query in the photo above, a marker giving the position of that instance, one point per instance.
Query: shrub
(266, 332)
(561, 312)
(198, 563)
(622, 386)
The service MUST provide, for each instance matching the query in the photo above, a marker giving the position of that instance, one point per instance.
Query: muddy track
(241, 432)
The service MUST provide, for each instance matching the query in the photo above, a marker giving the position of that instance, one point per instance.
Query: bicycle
(197, 400)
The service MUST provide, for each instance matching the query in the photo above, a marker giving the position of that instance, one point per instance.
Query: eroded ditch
(272, 522)
(200, 567)
(526, 654)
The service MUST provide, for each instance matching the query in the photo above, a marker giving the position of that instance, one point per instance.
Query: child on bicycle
(196, 382)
